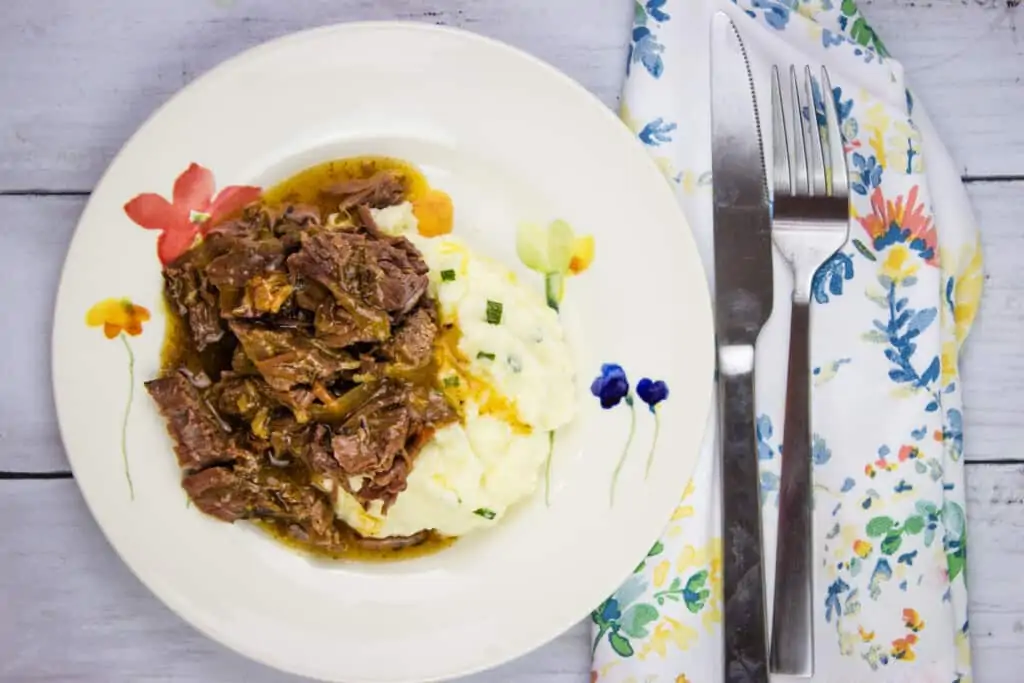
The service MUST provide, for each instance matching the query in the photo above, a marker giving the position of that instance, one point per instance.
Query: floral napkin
(890, 313)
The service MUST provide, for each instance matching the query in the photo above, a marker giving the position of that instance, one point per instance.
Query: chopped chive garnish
(451, 381)
(448, 275)
(485, 355)
(494, 309)
(514, 364)
(485, 513)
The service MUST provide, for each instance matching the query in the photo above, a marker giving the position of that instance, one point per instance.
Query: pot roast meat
(243, 258)
(380, 441)
(287, 357)
(392, 543)
(305, 364)
(412, 345)
(193, 298)
(382, 189)
(340, 263)
(318, 456)
(219, 492)
(199, 439)
(405, 276)
(370, 278)
(336, 328)
(229, 495)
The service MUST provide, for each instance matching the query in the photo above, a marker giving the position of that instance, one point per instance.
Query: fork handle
(792, 638)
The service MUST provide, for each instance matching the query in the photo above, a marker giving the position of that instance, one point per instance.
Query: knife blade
(743, 302)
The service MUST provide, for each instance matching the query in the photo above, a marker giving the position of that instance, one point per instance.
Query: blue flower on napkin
(654, 9)
(832, 604)
(776, 14)
(646, 50)
(867, 174)
(657, 132)
(764, 430)
(830, 277)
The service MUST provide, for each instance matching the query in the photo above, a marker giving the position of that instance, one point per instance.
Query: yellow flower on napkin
(912, 620)
(899, 264)
(668, 631)
(969, 279)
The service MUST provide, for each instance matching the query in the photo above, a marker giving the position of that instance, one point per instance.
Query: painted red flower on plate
(194, 208)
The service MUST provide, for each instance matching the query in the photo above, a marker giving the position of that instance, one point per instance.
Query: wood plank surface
(78, 78)
(993, 363)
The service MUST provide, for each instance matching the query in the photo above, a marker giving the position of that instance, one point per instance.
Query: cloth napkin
(890, 313)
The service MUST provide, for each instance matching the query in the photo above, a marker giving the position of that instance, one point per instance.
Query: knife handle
(746, 657)
(792, 645)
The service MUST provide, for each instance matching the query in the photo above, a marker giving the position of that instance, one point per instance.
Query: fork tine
(815, 159)
(781, 172)
(798, 159)
(837, 156)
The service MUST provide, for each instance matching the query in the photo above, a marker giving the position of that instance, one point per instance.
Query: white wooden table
(77, 78)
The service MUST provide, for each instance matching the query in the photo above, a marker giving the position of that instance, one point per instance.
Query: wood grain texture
(77, 79)
(964, 60)
(35, 234)
(993, 363)
(73, 611)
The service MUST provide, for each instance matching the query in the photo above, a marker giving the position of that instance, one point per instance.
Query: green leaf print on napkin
(893, 531)
(621, 645)
(860, 32)
(694, 594)
(635, 620)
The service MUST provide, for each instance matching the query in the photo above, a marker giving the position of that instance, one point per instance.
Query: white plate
(510, 139)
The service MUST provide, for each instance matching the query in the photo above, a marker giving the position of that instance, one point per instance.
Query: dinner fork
(810, 223)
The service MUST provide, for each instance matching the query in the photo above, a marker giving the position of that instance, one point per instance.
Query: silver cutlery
(743, 302)
(810, 223)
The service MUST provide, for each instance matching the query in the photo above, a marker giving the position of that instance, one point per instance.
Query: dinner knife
(743, 302)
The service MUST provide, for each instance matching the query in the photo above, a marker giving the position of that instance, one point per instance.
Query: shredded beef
(200, 441)
(378, 191)
(412, 345)
(288, 358)
(193, 298)
(311, 344)
(218, 491)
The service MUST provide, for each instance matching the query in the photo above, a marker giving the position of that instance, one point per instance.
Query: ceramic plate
(510, 139)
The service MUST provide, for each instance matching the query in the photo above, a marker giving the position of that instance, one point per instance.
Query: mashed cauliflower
(503, 359)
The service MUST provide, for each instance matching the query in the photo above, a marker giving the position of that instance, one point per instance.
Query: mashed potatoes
(504, 361)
